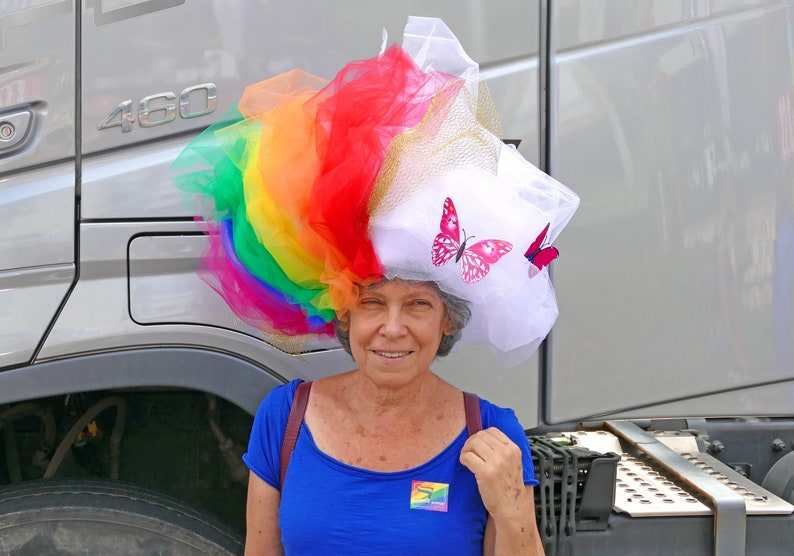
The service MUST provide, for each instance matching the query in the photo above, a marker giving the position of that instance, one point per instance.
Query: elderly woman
(382, 207)
(383, 438)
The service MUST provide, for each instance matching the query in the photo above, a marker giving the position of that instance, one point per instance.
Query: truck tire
(87, 517)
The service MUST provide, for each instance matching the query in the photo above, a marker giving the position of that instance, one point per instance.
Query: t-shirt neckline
(433, 462)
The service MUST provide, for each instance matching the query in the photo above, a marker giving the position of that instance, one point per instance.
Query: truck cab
(661, 406)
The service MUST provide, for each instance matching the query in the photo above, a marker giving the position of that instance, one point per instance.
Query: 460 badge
(161, 108)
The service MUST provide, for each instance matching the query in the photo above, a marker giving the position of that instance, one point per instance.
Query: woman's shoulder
(280, 398)
(496, 416)
(270, 421)
(506, 420)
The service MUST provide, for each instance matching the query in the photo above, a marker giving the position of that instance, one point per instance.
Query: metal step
(644, 488)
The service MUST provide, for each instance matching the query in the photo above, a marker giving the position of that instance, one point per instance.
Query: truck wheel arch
(235, 379)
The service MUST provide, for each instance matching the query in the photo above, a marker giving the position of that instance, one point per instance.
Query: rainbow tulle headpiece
(310, 189)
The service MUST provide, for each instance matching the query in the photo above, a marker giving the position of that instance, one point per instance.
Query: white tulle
(513, 306)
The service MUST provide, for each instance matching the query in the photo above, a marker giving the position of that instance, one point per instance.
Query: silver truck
(662, 405)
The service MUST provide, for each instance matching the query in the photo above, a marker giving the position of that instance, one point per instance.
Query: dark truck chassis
(584, 501)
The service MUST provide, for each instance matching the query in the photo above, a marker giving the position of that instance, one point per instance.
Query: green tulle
(221, 152)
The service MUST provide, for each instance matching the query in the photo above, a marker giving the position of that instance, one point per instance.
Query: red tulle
(358, 114)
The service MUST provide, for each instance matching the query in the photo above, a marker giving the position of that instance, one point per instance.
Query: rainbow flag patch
(426, 495)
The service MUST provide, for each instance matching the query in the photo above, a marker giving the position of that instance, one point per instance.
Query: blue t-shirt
(329, 507)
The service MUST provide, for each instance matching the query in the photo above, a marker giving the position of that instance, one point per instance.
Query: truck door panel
(37, 170)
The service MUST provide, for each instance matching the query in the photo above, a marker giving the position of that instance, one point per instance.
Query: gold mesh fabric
(459, 131)
(291, 345)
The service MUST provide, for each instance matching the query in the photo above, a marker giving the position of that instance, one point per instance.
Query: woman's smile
(392, 354)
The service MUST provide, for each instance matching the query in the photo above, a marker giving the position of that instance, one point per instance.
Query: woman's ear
(446, 327)
(343, 317)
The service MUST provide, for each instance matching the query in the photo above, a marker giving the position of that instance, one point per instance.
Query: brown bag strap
(473, 418)
(294, 422)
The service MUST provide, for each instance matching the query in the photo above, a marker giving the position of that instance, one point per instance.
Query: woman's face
(395, 330)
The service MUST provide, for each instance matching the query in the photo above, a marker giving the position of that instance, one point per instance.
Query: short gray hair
(456, 309)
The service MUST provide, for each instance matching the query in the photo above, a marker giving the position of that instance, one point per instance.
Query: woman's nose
(393, 324)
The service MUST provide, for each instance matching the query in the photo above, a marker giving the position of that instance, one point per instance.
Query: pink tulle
(253, 301)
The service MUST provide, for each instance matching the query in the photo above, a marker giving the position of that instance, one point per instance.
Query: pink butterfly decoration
(538, 255)
(475, 260)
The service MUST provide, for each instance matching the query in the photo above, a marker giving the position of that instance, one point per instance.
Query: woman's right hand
(496, 463)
